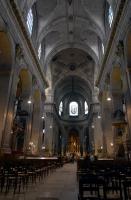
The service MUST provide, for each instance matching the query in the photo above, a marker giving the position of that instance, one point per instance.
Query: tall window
(110, 16)
(73, 108)
(86, 108)
(60, 108)
(103, 48)
(39, 51)
(29, 21)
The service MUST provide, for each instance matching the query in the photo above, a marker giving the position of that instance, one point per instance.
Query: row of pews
(104, 179)
(18, 174)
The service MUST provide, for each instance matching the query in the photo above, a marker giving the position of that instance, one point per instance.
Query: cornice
(28, 40)
(112, 37)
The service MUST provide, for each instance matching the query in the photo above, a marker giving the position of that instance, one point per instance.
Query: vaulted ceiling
(71, 24)
(71, 33)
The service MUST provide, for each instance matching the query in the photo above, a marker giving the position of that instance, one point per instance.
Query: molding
(111, 40)
(28, 40)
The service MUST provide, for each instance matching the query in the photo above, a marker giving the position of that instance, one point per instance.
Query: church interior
(65, 120)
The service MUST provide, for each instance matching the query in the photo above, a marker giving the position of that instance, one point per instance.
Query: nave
(60, 184)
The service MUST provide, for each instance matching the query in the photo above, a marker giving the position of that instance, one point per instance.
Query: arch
(86, 84)
(95, 29)
(67, 45)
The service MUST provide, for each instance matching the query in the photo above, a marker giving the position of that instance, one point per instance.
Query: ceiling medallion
(72, 67)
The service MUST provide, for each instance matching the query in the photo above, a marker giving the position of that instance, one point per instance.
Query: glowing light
(111, 144)
(108, 98)
(29, 102)
(50, 126)
(92, 126)
(43, 117)
(43, 130)
(101, 147)
(99, 117)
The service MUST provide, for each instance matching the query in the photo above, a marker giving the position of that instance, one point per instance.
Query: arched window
(86, 108)
(29, 21)
(103, 48)
(110, 16)
(39, 51)
(73, 108)
(60, 108)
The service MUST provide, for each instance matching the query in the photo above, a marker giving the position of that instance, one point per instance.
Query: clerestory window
(86, 108)
(110, 16)
(103, 48)
(39, 51)
(60, 108)
(29, 21)
(73, 108)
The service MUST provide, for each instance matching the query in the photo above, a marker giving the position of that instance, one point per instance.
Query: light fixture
(43, 147)
(99, 117)
(108, 94)
(43, 117)
(29, 102)
(101, 147)
(50, 126)
(108, 98)
(111, 144)
(92, 126)
(43, 130)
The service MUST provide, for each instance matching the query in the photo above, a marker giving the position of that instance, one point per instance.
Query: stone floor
(60, 185)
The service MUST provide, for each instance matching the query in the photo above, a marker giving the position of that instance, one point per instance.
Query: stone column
(108, 135)
(6, 109)
(49, 126)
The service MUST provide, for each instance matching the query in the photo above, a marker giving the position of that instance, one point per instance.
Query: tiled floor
(60, 185)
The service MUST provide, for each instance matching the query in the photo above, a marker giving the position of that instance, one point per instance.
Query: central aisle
(61, 184)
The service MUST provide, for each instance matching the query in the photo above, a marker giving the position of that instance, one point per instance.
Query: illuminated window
(86, 108)
(110, 16)
(60, 108)
(39, 51)
(29, 21)
(73, 108)
(103, 48)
